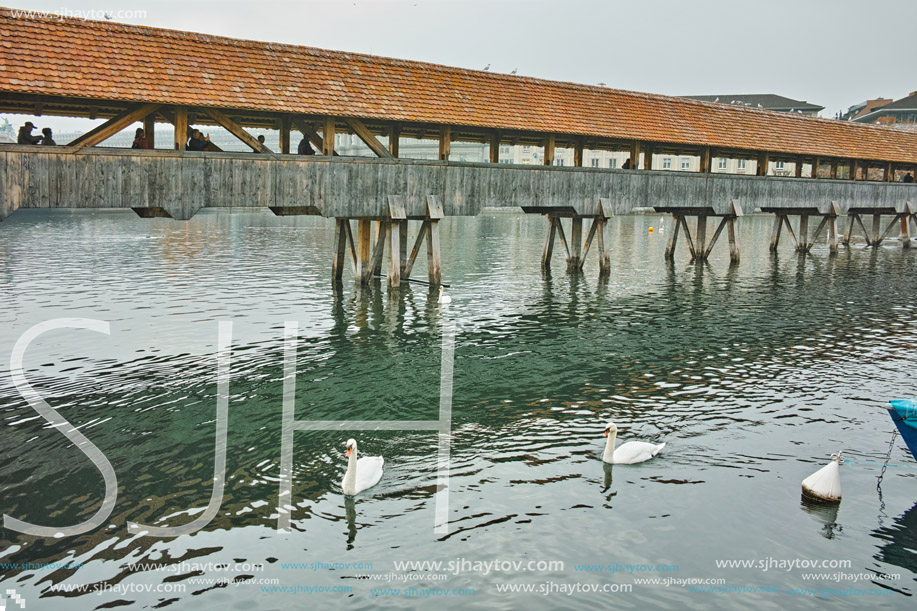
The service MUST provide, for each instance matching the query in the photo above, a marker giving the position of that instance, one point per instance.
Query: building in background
(899, 113)
(863, 108)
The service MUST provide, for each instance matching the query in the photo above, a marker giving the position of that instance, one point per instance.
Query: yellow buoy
(651, 230)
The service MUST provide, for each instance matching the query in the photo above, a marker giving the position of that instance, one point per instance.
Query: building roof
(905, 104)
(767, 101)
(111, 61)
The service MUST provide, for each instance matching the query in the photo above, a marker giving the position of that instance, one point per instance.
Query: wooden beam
(648, 157)
(834, 169)
(854, 169)
(673, 238)
(445, 146)
(549, 145)
(113, 126)
(548, 243)
(799, 168)
(285, 135)
(340, 249)
(888, 175)
(309, 132)
(394, 142)
(706, 161)
(180, 128)
(328, 137)
(495, 147)
(578, 153)
(149, 129)
(816, 163)
(764, 160)
(775, 232)
(635, 155)
(236, 130)
(360, 129)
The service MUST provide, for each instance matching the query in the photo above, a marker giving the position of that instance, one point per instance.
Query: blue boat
(904, 415)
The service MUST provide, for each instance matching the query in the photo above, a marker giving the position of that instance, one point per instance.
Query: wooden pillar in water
(340, 249)
(434, 265)
(672, 240)
(576, 244)
(876, 228)
(775, 232)
(802, 244)
(700, 239)
(549, 242)
(364, 250)
(396, 240)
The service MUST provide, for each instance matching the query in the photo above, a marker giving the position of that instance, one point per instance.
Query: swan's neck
(350, 478)
(609, 446)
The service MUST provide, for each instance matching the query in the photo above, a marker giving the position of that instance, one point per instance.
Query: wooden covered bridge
(129, 74)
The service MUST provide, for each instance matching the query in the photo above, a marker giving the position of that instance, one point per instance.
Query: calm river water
(753, 375)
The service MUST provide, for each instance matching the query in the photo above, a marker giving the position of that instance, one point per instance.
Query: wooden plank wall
(184, 182)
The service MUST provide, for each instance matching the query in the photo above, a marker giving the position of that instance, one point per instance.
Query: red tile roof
(111, 61)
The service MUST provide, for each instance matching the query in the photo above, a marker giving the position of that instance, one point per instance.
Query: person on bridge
(47, 139)
(25, 134)
(626, 165)
(908, 178)
(140, 141)
(305, 148)
(198, 142)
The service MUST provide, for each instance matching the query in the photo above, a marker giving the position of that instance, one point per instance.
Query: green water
(752, 374)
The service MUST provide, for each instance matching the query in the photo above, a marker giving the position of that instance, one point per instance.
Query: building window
(721, 164)
(685, 163)
(666, 163)
(595, 163)
(612, 163)
(558, 162)
(741, 165)
(504, 149)
(506, 161)
(779, 165)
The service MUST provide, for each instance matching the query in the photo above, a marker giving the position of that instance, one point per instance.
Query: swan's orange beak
(605, 434)
(347, 454)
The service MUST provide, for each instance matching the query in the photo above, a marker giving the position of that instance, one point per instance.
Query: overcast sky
(831, 53)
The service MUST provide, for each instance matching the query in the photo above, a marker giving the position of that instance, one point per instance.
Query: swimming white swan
(361, 474)
(628, 453)
(443, 298)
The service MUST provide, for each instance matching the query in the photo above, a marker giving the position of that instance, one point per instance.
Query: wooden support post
(673, 237)
(396, 211)
(328, 137)
(364, 270)
(236, 130)
(803, 244)
(588, 244)
(816, 163)
(876, 227)
(821, 225)
(854, 169)
(578, 153)
(834, 169)
(340, 249)
(604, 256)
(905, 236)
(495, 147)
(688, 239)
(422, 234)
(799, 168)
(700, 239)
(367, 137)
(789, 230)
(445, 144)
(764, 160)
(706, 161)
(403, 231)
(848, 230)
(716, 236)
(181, 128)
(563, 239)
(635, 155)
(733, 244)
(285, 135)
(648, 157)
(895, 222)
(394, 142)
(549, 150)
(576, 243)
(775, 232)
(379, 235)
(549, 243)
(434, 265)
(149, 130)
(887, 173)
(832, 234)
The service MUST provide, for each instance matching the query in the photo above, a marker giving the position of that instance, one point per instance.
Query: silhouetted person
(198, 142)
(305, 148)
(261, 139)
(47, 139)
(140, 141)
(908, 178)
(626, 165)
(25, 134)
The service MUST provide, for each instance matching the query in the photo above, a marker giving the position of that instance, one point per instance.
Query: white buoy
(825, 484)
